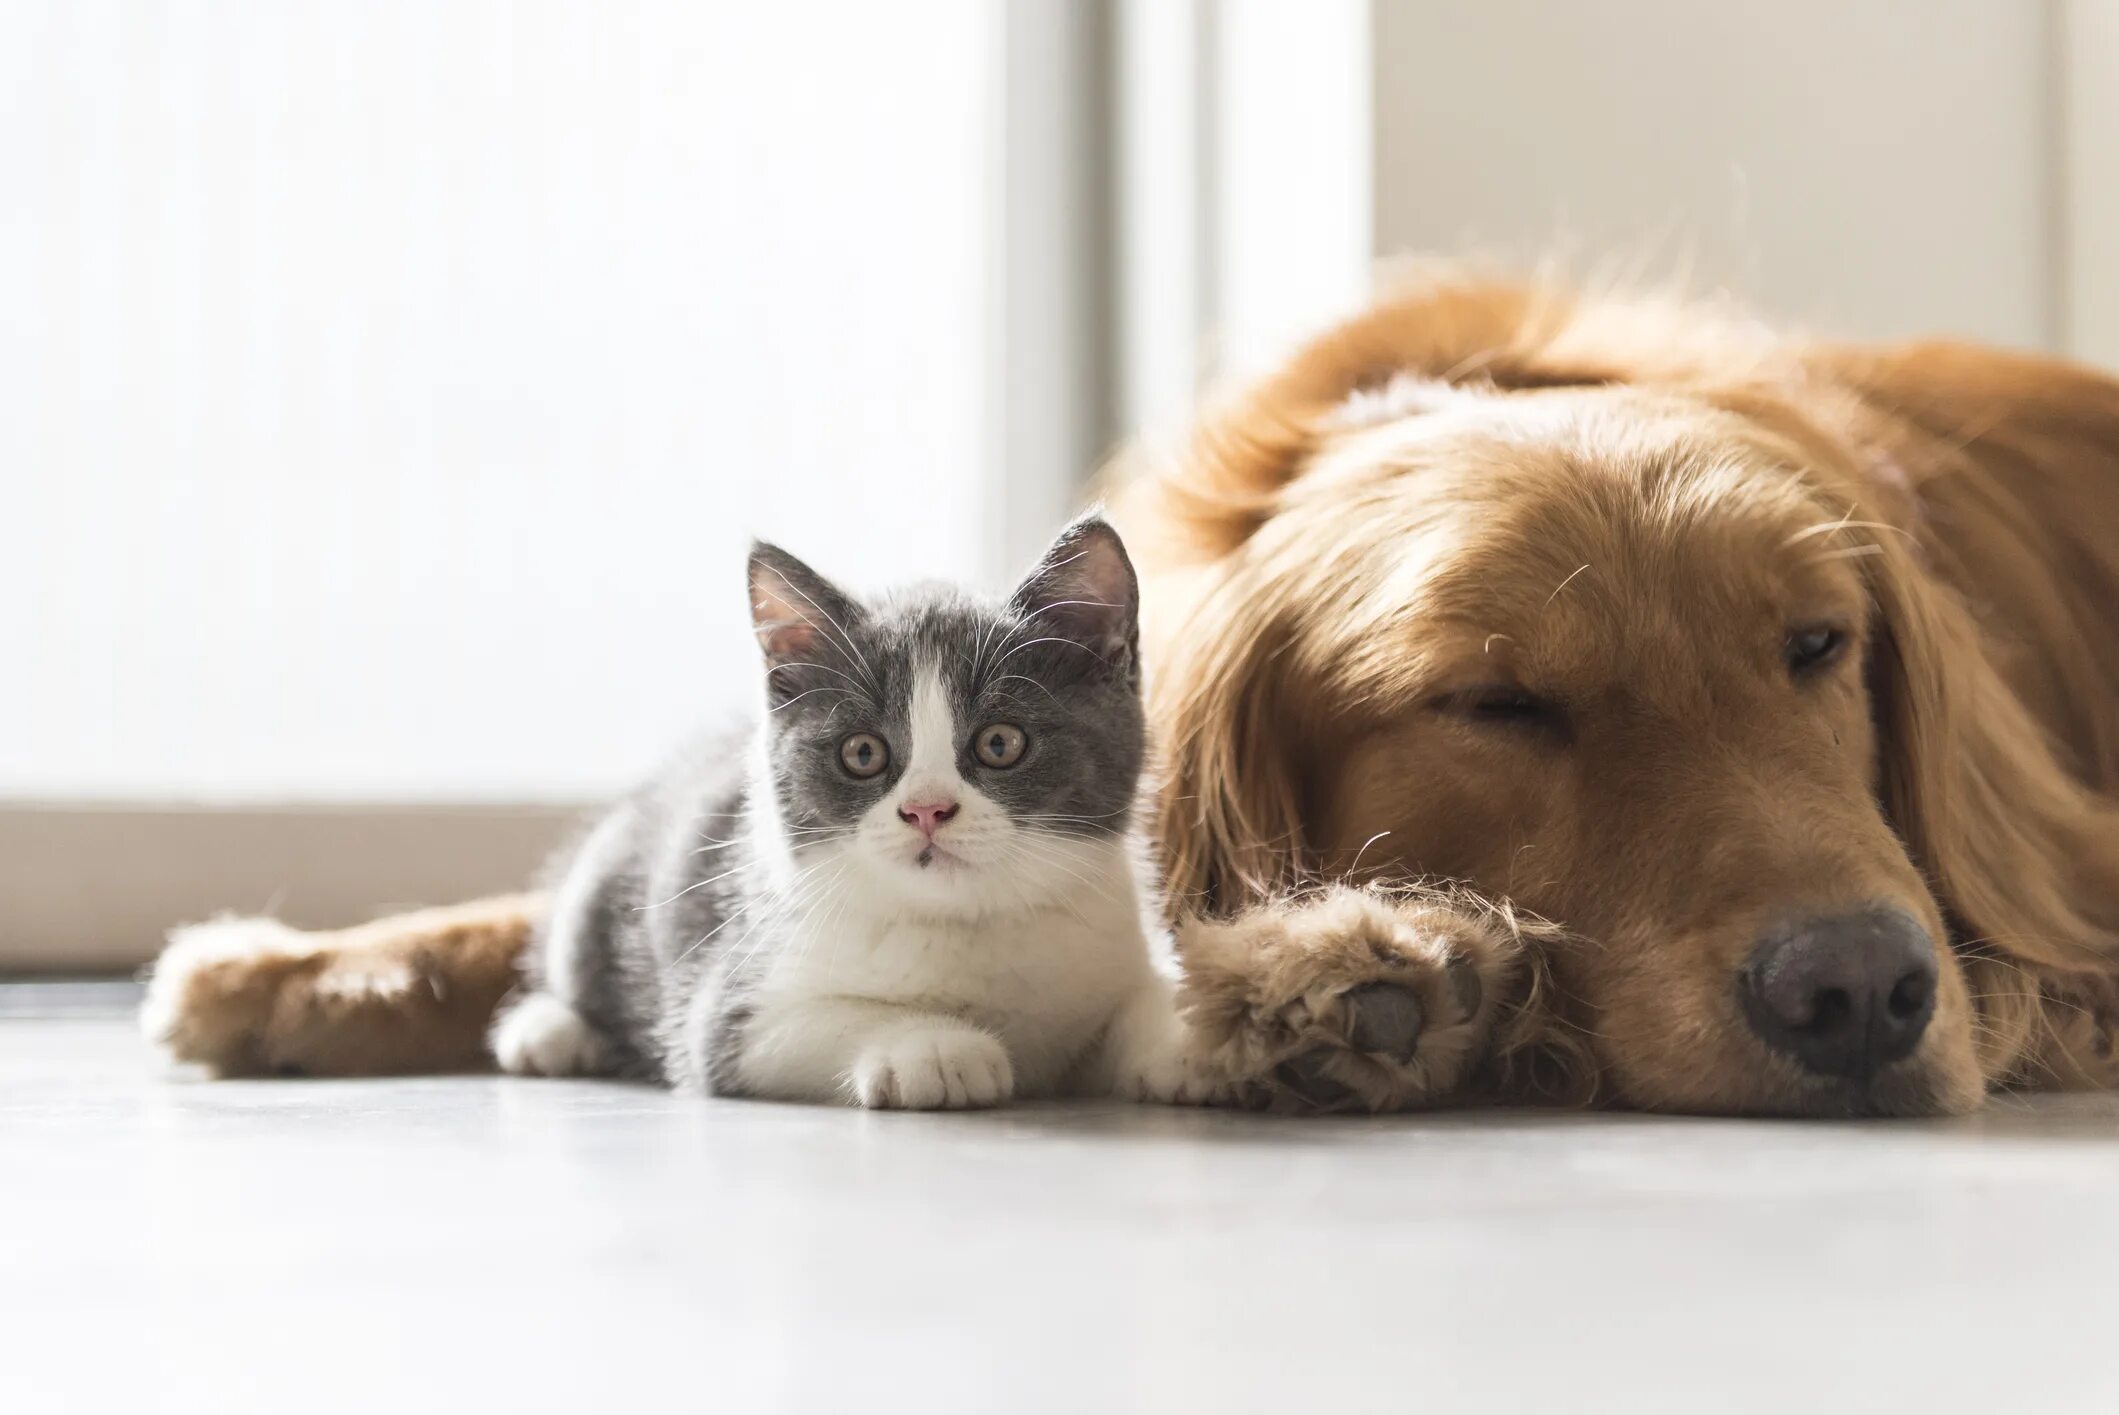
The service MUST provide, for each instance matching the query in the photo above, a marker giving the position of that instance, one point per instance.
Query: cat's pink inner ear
(1084, 590)
(781, 618)
(1101, 576)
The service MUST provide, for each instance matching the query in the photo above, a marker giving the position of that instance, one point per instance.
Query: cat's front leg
(1150, 1053)
(873, 1054)
(1349, 999)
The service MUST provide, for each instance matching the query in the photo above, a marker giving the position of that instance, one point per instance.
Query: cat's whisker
(827, 928)
(1015, 852)
(714, 879)
(834, 893)
(1018, 678)
(739, 913)
(858, 690)
(809, 692)
(1026, 622)
(978, 656)
(1065, 603)
(1050, 639)
(845, 641)
(799, 928)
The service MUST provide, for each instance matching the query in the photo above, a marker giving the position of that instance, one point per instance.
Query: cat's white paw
(933, 1068)
(542, 1036)
(1172, 1076)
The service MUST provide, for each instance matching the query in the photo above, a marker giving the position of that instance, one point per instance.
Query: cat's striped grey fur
(912, 883)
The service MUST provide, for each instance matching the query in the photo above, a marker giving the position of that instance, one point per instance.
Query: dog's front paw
(1352, 999)
(933, 1068)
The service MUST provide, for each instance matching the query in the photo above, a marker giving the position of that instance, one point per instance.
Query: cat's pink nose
(926, 816)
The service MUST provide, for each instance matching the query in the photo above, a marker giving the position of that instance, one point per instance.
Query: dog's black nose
(1845, 996)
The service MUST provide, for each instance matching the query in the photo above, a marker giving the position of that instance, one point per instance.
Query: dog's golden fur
(412, 993)
(1621, 508)
(1624, 507)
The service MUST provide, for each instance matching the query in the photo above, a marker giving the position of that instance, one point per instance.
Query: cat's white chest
(1046, 982)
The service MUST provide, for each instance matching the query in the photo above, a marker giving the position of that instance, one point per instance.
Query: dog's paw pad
(1466, 986)
(1385, 1019)
(1308, 1078)
(1356, 1000)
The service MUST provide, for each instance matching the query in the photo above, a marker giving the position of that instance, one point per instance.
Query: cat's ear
(1084, 591)
(796, 613)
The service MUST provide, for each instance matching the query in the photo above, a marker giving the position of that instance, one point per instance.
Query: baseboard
(86, 889)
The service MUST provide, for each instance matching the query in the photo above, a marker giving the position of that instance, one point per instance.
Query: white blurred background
(403, 379)
(394, 383)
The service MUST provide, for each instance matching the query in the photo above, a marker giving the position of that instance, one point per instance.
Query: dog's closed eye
(1506, 706)
(1811, 648)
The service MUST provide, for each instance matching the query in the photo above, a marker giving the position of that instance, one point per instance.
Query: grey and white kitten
(914, 885)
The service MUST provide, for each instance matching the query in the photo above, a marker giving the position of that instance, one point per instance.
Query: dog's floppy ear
(1230, 805)
(2023, 854)
(2025, 858)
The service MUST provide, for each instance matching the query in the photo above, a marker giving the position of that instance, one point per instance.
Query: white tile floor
(476, 1244)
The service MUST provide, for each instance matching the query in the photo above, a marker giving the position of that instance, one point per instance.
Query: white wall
(1244, 177)
(2086, 45)
(1871, 167)
(392, 385)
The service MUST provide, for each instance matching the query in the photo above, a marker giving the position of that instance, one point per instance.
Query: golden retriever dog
(1560, 698)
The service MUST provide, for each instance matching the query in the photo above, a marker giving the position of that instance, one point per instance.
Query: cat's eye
(863, 754)
(1813, 647)
(999, 745)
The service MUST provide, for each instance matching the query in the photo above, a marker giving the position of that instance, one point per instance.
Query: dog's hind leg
(412, 993)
